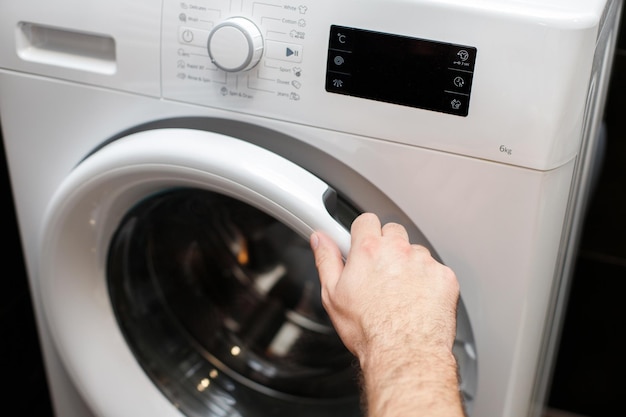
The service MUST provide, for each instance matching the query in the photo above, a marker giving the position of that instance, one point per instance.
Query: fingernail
(315, 241)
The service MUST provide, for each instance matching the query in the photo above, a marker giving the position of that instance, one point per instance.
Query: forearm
(394, 307)
(401, 385)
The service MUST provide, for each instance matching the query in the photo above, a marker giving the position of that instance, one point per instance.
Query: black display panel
(401, 70)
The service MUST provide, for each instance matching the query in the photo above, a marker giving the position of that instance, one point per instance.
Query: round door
(176, 277)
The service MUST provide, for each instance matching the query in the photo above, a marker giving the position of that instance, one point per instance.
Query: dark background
(590, 374)
(590, 367)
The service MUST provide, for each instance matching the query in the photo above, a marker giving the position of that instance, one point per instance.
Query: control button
(193, 36)
(187, 36)
(455, 104)
(283, 51)
(462, 57)
(341, 38)
(235, 45)
(459, 81)
(339, 61)
(337, 83)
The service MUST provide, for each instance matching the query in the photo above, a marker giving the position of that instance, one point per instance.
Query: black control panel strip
(401, 70)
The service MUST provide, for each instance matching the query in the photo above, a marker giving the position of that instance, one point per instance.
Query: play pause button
(284, 51)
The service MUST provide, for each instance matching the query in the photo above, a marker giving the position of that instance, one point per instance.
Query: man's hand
(394, 307)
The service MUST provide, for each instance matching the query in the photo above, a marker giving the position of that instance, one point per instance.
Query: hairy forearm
(420, 384)
(394, 307)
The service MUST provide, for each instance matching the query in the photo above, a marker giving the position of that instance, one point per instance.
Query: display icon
(187, 36)
(291, 52)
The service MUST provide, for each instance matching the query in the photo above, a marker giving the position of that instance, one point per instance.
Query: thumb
(328, 259)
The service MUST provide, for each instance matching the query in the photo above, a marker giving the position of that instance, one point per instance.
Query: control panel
(418, 73)
(218, 49)
(402, 70)
(275, 55)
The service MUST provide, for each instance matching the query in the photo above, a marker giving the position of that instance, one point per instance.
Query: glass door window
(220, 304)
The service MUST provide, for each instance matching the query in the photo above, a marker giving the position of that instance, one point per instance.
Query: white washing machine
(169, 160)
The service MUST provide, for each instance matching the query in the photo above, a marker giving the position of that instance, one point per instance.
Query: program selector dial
(235, 45)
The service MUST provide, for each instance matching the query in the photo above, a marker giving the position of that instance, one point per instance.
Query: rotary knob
(235, 45)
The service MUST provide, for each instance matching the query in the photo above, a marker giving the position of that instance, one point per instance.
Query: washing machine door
(176, 278)
(178, 259)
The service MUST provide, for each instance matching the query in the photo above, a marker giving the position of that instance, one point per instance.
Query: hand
(394, 307)
(389, 293)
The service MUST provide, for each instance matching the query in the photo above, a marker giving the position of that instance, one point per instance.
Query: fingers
(395, 230)
(365, 226)
(368, 225)
(327, 259)
(422, 250)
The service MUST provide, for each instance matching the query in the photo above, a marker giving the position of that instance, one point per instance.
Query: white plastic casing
(530, 86)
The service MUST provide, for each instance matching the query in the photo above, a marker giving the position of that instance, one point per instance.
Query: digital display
(401, 70)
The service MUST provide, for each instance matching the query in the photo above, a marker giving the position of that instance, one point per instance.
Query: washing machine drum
(221, 305)
(176, 276)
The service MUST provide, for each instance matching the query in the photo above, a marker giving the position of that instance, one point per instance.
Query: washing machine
(169, 160)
